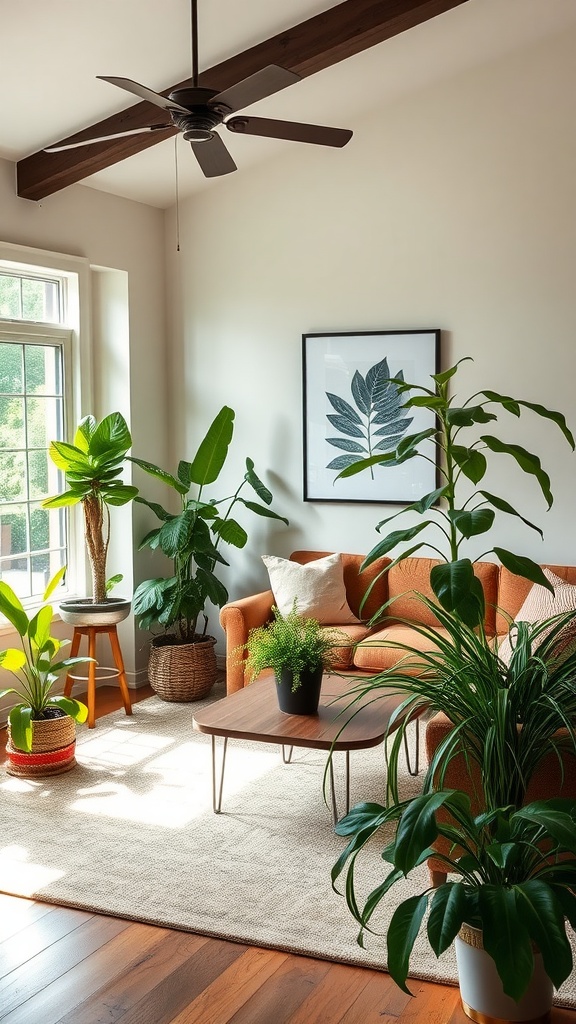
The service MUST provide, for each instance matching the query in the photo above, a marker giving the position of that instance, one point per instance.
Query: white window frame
(75, 332)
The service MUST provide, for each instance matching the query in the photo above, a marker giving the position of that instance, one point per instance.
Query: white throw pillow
(317, 587)
(541, 604)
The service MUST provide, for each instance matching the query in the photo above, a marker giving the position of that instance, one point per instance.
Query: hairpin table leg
(287, 757)
(217, 804)
(417, 764)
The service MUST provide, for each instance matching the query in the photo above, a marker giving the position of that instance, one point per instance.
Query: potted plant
(41, 729)
(505, 715)
(514, 891)
(298, 650)
(182, 663)
(92, 466)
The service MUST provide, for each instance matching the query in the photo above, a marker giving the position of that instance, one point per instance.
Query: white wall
(453, 208)
(124, 243)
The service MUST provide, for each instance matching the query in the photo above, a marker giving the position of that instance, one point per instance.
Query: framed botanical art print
(353, 410)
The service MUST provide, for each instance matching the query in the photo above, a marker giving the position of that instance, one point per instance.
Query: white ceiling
(50, 54)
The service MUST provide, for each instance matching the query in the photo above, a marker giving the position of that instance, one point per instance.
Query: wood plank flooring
(62, 966)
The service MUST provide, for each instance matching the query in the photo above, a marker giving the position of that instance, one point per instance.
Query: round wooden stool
(91, 632)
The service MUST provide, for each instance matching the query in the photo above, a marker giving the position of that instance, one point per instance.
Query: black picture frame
(341, 372)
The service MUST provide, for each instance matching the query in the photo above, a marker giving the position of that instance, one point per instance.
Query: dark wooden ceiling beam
(315, 44)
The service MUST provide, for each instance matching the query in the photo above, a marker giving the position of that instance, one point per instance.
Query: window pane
(10, 306)
(44, 421)
(16, 572)
(11, 374)
(13, 476)
(13, 530)
(43, 568)
(39, 528)
(12, 423)
(40, 300)
(43, 370)
(40, 475)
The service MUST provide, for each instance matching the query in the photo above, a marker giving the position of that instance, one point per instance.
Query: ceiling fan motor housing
(198, 125)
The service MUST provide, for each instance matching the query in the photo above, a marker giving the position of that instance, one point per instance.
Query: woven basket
(53, 749)
(182, 672)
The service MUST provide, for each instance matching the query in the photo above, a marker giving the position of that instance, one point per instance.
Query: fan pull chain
(177, 190)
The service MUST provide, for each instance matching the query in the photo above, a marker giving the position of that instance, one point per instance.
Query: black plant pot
(304, 700)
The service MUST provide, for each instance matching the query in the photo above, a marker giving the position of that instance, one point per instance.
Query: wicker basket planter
(53, 749)
(182, 672)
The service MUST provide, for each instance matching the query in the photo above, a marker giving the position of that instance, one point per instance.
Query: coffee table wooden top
(253, 714)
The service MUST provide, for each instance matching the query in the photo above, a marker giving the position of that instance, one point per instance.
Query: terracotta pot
(483, 998)
(53, 749)
(182, 672)
(305, 699)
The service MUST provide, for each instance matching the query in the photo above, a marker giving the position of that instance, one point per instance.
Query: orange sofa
(502, 590)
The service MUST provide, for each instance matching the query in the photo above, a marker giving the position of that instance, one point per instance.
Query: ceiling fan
(196, 112)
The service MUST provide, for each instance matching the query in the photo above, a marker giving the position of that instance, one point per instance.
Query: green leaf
(528, 462)
(174, 535)
(184, 474)
(402, 933)
(157, 509)
(558, 823)
(447, 913)
(54, 582)
(426, 402)
(468, 415)
(111, 437)
(68, 457)
(74, 708)
(39, 626)
(71, 497)
(458, 590)
(472, 463)
(256, 483)
(160, 474)
(390, 542)
(506, 938)
(11, 607)
(213, 588)
(417, 829)
(505, 506)
(211, 455)
(12, 659)
(84, 432)
(413, 440)
(262, 510)
(511, 404)
(118, 494)
(20, 719)
(445, 376)
(473, 523)
(231, 532)
(543, 917)
(522, 566)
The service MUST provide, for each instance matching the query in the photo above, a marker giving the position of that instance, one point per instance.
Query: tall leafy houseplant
(505, 719)
(453, 519)
(191, 538)
(92, 466)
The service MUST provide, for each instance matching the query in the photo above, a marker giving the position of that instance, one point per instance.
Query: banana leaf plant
(36, 666)
(92, 466)
(453, 519)
(516, 877)
(191, 537)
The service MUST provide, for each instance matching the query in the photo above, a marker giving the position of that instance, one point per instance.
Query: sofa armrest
(237, 619)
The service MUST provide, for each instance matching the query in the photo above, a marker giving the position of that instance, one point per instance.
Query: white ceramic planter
(483, 998)
(83, 612)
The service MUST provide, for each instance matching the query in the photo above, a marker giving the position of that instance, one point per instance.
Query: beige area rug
(131, 832)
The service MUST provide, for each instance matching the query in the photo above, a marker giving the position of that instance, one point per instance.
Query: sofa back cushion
(412, 576)
(355, 582)
(513, 591)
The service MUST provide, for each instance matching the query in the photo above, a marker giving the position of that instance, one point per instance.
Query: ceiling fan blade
(107, 138)
(144, 93)
(293, 131)
(213, 157)
(259, 85)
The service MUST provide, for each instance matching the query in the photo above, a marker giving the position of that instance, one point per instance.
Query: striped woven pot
(53, 749)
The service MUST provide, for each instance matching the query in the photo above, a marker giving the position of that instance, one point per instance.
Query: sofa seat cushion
(343, 655)
(374, 655)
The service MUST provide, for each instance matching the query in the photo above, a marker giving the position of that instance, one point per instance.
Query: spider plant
(517, 873)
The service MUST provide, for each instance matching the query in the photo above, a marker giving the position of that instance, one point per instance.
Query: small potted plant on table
(299, 651)
(41, 727)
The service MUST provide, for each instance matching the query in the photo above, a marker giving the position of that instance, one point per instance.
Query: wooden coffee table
(253, 714)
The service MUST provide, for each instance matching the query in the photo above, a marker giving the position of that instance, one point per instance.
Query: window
(35, 358)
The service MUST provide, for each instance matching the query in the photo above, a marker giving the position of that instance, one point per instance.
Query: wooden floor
(73, 967)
